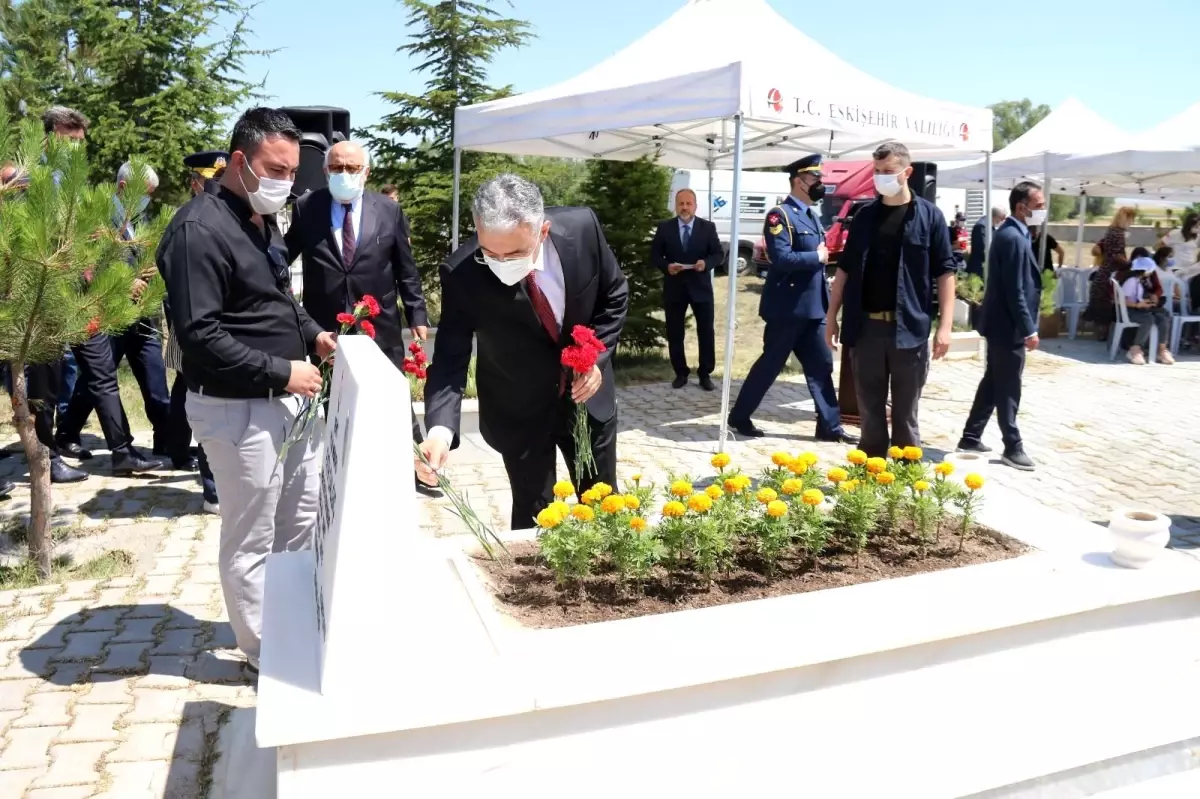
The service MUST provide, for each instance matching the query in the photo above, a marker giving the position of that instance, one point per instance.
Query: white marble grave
(1052, 674)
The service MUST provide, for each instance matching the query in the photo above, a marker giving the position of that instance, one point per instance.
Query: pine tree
(155, 79)
(65, 274)
(453, 42)
(629, 197)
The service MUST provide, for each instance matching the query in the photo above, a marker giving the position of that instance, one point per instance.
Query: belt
(269, 395)
(882, 316)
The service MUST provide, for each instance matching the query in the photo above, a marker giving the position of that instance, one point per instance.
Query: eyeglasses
(349, 169)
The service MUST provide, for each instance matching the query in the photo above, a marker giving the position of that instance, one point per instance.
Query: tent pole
(711, 275)
(455, 205)
(1079, 235)
(987, 201)
(731, 302)
(1046, 225)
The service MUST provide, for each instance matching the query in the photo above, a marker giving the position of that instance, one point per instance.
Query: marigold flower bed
(794, 529)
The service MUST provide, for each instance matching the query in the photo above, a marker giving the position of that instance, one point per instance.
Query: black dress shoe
(746, 429)
(6, 488)
(706, 383)
(1018, 460)
(127, 462)
(427, 490)
(188, 464)
(73, 449)
(679, 382)
(60, 472)
(972, 446)
(839, 438)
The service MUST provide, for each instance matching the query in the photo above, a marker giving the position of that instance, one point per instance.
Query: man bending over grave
(519, 287)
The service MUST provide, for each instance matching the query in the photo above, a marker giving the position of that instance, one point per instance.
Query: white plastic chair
(1186, 314)
(1122, 324)
(1074, 290)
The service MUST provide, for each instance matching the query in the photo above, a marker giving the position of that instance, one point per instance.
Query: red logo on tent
(964, 131)
(775, 100)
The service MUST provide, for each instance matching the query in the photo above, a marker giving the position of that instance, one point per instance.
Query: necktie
(349, 245)
(687, 236)
(541, 306)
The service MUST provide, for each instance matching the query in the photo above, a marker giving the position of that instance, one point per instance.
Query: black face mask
(816, 192)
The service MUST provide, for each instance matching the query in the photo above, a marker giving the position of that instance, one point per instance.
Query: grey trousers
(878, 366)
(264, 509)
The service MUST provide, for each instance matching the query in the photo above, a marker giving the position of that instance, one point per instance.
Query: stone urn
(967, 463)
(1139, 536)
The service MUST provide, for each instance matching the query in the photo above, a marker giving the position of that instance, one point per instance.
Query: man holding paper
(687, 249)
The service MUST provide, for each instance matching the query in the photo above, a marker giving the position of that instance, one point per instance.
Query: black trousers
(676, 326)
(143, 347)
(43, 381)
(396, 356)
(98, 373)
(178, 440)
(531, 474)
(999, 390)
(879, 365)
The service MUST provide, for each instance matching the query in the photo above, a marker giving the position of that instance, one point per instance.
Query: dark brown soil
(526, 589)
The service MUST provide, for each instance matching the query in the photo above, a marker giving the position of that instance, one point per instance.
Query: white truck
(760, 191)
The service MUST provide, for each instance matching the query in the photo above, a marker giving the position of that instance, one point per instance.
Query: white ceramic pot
(966, 463)
(1139, 536)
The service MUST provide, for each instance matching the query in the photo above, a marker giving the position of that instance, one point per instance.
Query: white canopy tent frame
(614, 112)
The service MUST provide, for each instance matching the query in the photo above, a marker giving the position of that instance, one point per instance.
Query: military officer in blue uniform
(795, 298)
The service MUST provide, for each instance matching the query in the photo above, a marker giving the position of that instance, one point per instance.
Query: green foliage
(1049, 284)
(1011, 118)
(157, 79)
(970, 289)
(571, 550)
(629, 197)
(58, 231)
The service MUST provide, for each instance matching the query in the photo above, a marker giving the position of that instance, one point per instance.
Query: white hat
(1142, 264)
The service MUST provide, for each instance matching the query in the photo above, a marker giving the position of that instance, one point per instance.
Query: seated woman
(1164, 262)
(1142, 291)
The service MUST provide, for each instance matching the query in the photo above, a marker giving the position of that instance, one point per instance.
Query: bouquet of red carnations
(416, 363)
(580, 358)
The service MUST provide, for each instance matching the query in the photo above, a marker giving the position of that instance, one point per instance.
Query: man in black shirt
(897, 249)
(245, 343)
(1052, 248)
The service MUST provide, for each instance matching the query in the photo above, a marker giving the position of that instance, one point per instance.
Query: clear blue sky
(1134, 62)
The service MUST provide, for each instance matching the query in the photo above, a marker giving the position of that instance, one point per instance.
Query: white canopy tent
(745, 104)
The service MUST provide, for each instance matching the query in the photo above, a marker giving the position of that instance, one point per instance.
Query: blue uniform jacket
(795, 288)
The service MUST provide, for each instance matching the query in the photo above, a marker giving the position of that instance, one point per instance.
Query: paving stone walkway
(118, 688)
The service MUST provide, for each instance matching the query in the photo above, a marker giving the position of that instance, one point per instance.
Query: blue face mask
(1170, 263)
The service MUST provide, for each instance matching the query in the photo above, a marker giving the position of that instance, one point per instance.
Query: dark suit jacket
(704, 245)
(795, 288)
(383, 265)
(1014, 286)
(978, 245)
(518, 365)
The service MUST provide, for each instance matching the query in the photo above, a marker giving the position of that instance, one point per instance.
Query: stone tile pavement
(118, 688)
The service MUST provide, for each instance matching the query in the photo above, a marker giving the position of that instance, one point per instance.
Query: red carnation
(415, 347)
(367, 328)
(586, 337)
(93, 327)
(345, 318)
(421, 373)
(410, 367)
(370, 306)
(419, 357)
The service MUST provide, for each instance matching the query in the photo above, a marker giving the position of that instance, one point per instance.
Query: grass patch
(114, 563)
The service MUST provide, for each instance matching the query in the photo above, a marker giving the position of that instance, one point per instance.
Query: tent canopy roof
(656, 98)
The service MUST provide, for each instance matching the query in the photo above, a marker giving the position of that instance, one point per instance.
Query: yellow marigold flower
(809, 458)
(973, 481)
(920, 486)
(837, 474)
(561, 508)
(613, 504)
(583, 513)
(681, 488)
(700, 503)
(792, 487)
(895, 453)
(720, 460)
(856, 457)
(636, 478)
(798, 466)
(777, 509)
(847, 486)
(813, 497)
(781, 458)
(589, 497)
(563, 489)
(602, 489)
(715, 491)
(944, 469)
(913, 454)
(674, 509)
(637, 524)
(876, 465)
(766, 495)
(885, 478)
(548, 519)
(731, 486)
(632, 502)
(743, 482)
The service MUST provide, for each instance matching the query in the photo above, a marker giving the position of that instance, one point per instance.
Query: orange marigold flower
(715, 491)
(781, 458)
(602, 489)
(548, 519)
(973, 481)
(913, 454)
(885, 478)
(674, 509)
(613, 504)
(895, 453)
(813, 497)
(876, 465)
(700, 503)
(563, 489)
(589, 497)
(720, 460)
(856, 457)
(561, 508)
(681, 488)
(583, 513)
(809, 458)
(837, 474)
(945, 469)
(632, 502)
(792, 486)
(848, 486)
(777, 509)
(920, 486)
(766, 495)
(637, 524)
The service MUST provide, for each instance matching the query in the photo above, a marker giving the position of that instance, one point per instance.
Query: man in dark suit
(979, 240)
(794, 303)
(356, 242)
(529, 276)
(687, 249)
(1009, 323)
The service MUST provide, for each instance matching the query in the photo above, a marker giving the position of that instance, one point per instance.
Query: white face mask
(889, 185)
(271, 196)
(346, 188)
(1036, 217)
(512, 271)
